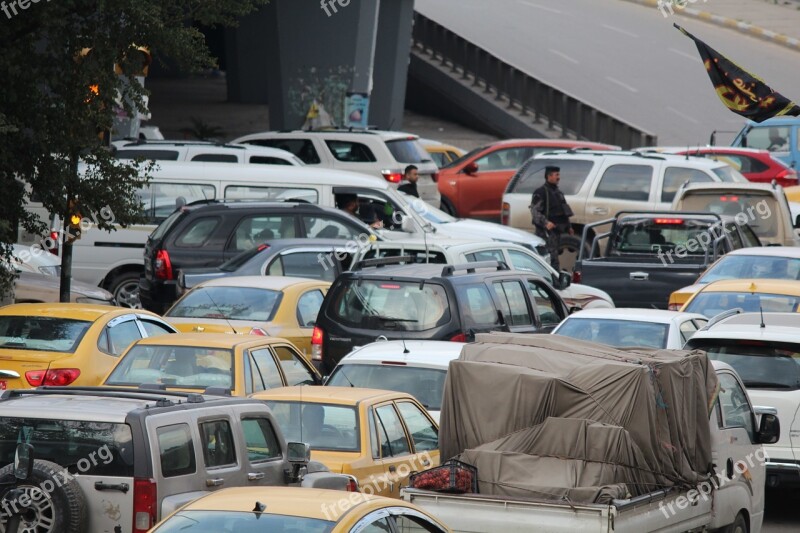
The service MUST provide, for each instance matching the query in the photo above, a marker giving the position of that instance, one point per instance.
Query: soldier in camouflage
(551, 213)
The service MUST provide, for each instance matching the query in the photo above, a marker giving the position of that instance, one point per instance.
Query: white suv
(765, 351)
(202, 151)
(380, 153)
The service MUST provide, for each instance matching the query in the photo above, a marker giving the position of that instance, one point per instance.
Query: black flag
(740, 91)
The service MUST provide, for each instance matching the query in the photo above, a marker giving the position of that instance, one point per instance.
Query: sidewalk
(777, 21)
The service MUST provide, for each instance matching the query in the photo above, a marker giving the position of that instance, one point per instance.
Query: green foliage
(52, 53)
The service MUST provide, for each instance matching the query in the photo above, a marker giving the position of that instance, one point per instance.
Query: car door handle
(215, 482)
(425, 462)
(600, 211)
(253, 476)
(122, 487)
(639, 276)
(392, 469)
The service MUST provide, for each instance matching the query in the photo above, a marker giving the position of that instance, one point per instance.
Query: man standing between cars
(409, 183)
(551, 213)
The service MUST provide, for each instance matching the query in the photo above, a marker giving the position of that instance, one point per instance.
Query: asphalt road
(623, 58)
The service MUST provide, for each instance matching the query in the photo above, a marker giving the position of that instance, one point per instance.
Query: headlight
(52, 270)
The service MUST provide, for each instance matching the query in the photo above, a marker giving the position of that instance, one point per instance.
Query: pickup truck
(648, 255)
(732, 499)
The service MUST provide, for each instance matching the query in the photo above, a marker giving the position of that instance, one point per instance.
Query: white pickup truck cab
(732, 499)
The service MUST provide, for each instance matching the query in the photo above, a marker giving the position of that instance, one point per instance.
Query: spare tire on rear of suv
(57, 504)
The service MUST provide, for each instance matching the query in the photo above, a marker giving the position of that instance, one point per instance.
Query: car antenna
(761, 308)
(219, 312)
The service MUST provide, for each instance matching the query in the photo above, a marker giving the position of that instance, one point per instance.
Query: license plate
(2, 385)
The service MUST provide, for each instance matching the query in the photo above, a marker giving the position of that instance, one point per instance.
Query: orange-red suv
(473, 185)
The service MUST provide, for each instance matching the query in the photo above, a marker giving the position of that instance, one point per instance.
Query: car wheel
(56, 502)
(448, 207)
(125, 288)
(568, 252)
(739, 525)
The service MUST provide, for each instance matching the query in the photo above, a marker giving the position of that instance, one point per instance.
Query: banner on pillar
(356, 110)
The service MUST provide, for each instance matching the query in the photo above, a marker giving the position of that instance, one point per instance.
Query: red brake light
(316, 344)
(458, 337)
(787, 174)
(505, 214)
(258, 331)
(56, 377)
(54, 239)
(669, 221)
(262, 247)
(352, 484)
(396, 363)
(144, 505)
(728, 198)
(747, 342)
(162, 266)
(392, 177)
(435, 177)
(576, 276)
(392, 286)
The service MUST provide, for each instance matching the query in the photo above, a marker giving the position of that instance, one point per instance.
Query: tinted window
(302, 148)
(417, 256)
(326, 227)
(760, 365)
(149, 153)
(513, 303)
(216, 158)
(218, 448)
(41, 333)
(294, 370)
(266, 160)
(618, 333)
(736, 411)
(254, 230)
(165, 226)
(531, 175)
(509, 159)
(760, 211)
(423, 432)
(477, 306)
(407, 151)
(753, 266)
(546, 305)
(439, 158)
(350, 152)
(308, 308)
(674, 177)
(123, 335)
(414, 524)
(323, 426)
(424, 384)
(303, 265)
(178, 366)
(625, 182)
(160, 200)
(733, 233)
(260, 439)
(749, 237)
(648, 236)
(400, 305)
(392, 436)
(197, 233)
(176, 450)
(228, 303)
(688, 328)
(266, 373)
(712, 303)
(269, 194)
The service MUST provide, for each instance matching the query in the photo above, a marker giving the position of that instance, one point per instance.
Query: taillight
(316, 344)
(352, 484)
(54, 239)
(56, 377)
(259, 331)
(787, 174)
(162, 266)
(459, 337)
(505, 214)
(435, 177)
(144, 505)
(392, 177)
(576, 276)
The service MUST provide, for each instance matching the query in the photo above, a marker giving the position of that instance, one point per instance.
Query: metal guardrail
(522, 91)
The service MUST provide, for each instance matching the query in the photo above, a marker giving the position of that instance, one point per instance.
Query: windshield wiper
(394, 319)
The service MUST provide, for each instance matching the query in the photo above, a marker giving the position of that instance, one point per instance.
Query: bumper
(157, 296)
(783, 474)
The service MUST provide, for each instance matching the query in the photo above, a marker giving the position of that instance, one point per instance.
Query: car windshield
(96, 448)
(466, 156)
(408, 151)
(228, 303)
(753, 266)
(427, 211)
(391, 305)
(760, 364)
(190, 521)
(39, 333)
(322, 426)
(618, 333)
(425, 384)
(176, 366)
(712, 303)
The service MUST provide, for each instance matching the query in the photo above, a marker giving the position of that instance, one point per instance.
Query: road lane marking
(684, 116)
(684, 54)
(563, 55)
(622, 84)
(545, 8)
(620, 30)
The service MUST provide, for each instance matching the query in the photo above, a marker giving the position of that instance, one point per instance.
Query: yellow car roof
(289, 501)
(275, 283)
(68, 310)
(335, 395)
(211, 340)
(763, 286)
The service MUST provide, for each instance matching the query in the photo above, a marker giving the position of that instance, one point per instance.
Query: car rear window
(649, 236)
(531, 176)
(760, 364)
(425, 384)
(165, 226)
(46, 334)
(229, 303)
(397, 305)
(619, 333)
(408, 151)
(192, 367)
(712, 303)
(760, 211)
(322, 426)
(90, 448)
(729, 174)
(207, 521)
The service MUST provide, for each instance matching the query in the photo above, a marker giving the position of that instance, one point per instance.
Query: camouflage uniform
(548, 204)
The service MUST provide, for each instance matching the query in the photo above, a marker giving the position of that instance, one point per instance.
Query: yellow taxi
(792, 193)
(267, 509)
(752, 295)
(277, 306)
(379, 437)
(441, 153)
(194, 362)
(67, 343)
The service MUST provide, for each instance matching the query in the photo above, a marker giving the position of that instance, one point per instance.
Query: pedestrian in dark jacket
(409, 183)
(551, 213)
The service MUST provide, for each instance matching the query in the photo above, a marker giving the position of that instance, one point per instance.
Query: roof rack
(450, 270)
(159, 396)
(382, 261)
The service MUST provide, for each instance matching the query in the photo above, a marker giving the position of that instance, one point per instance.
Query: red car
(473, 185)
(757, 166)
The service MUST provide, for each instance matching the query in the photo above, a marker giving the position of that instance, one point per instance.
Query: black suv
(380, 298)
(208, 234)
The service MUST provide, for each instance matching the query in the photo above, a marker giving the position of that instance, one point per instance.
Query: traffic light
(73, 221)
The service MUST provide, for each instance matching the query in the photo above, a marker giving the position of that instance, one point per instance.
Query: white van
(113, 260)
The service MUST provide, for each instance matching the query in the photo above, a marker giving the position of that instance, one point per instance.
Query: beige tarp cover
(506, 398)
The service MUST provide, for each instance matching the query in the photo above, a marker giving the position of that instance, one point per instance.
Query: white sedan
(623, 328)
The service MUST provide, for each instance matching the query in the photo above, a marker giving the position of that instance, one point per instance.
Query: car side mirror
(562, 281)
(407, 225)
(298, 452)
(769, 430)
(23, 461)
(575, 309)
(471, 168)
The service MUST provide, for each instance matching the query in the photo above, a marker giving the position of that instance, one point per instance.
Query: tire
(60, 510)
(125, 288)
(568, 251)
(739, 525)
(448, 207)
